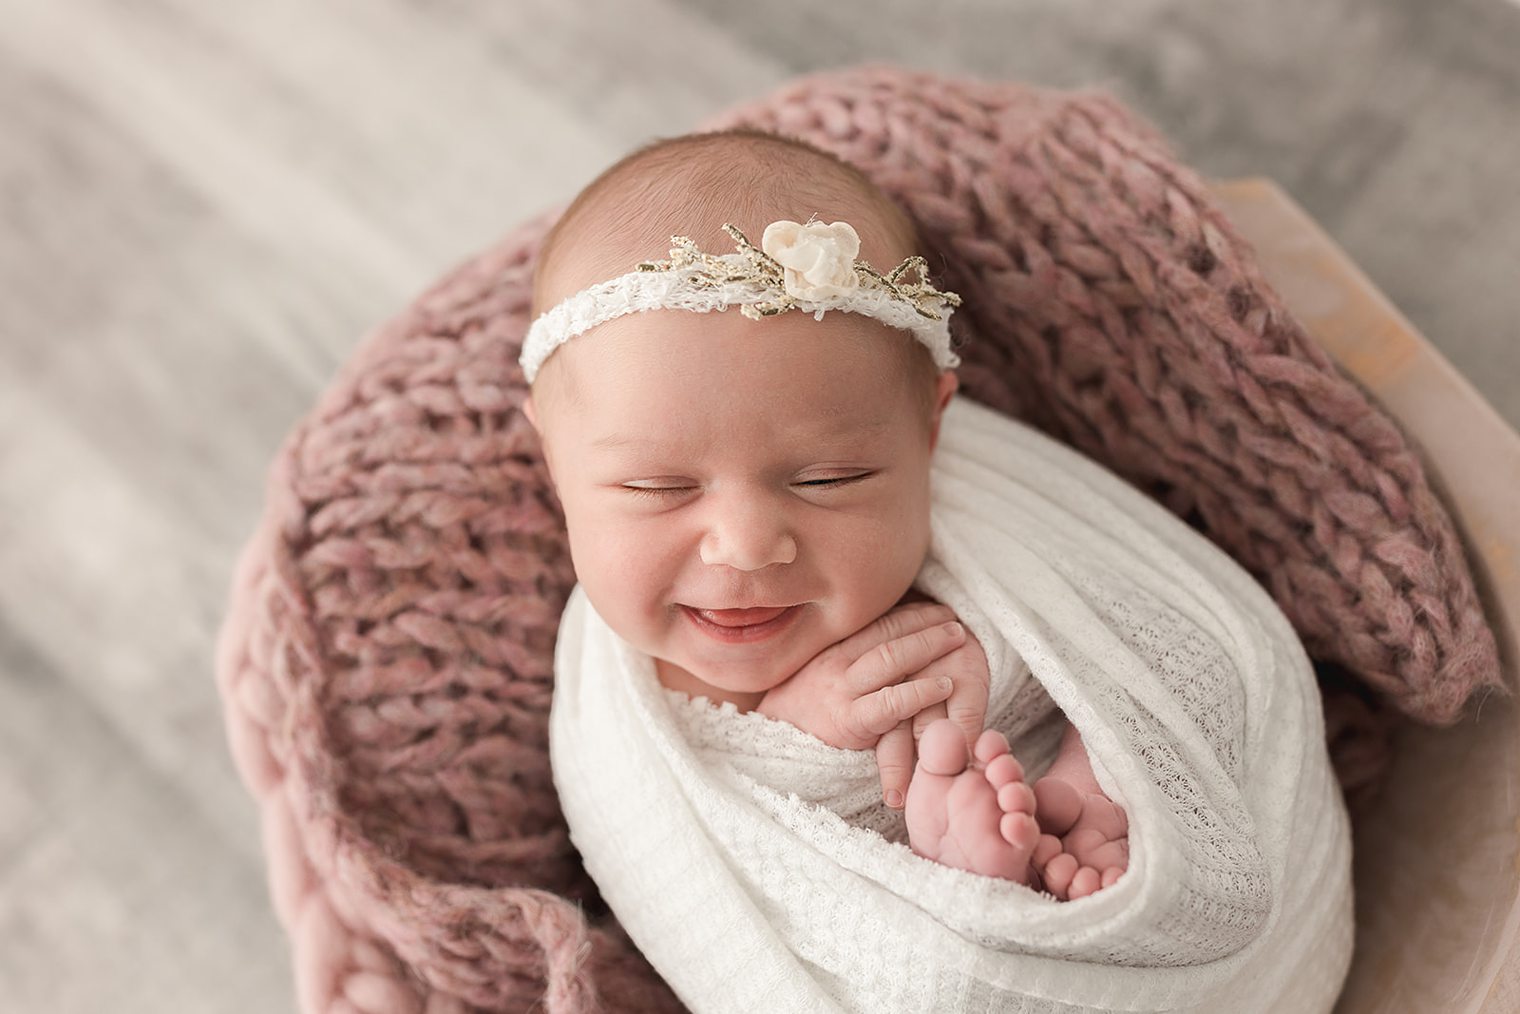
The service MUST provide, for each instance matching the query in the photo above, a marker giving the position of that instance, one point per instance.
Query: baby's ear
(531, 411)
(949, 382)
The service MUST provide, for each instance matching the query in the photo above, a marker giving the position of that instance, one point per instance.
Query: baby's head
(741, 423)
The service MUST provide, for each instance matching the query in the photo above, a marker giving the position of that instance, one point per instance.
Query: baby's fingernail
(945, 683)
(953, 629)
(894, 798)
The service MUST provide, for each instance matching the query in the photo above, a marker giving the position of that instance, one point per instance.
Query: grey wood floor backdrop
(206, 204)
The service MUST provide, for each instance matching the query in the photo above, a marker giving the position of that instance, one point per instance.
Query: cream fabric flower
(819, 259)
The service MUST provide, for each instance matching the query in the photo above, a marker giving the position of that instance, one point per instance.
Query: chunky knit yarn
(387, 655)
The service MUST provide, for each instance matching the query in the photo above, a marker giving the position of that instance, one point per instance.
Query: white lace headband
(808, 267)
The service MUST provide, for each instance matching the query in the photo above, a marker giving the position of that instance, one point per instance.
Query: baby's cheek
(901, 551)
(618, 583)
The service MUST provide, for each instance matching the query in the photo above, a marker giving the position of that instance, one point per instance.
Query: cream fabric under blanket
(756, 868)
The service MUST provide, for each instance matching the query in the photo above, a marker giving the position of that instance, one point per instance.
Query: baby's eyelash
(842, 480)
(661, 491)
(654, 491)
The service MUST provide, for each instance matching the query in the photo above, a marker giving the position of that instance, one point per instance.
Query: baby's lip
(741, 617)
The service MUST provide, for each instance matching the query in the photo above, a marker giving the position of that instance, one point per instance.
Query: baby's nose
(748, 537)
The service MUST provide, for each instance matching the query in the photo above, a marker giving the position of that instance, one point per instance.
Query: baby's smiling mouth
(741, 617)
(743, 626)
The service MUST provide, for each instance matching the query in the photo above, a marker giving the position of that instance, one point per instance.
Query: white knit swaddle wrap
(757, 870)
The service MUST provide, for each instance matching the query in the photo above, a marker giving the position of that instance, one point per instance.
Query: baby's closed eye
(662, 491)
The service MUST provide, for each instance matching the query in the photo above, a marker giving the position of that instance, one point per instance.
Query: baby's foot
(1084, 839)
(977, 816)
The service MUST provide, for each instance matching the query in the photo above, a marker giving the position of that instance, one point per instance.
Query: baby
(748, 503)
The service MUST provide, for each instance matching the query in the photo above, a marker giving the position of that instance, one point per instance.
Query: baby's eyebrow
(629, 440)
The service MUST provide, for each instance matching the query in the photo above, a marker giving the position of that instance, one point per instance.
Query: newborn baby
(748, 502)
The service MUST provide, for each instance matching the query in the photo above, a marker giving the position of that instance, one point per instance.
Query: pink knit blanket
(387, 655)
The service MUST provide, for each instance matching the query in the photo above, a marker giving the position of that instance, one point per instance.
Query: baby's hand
(851, 692)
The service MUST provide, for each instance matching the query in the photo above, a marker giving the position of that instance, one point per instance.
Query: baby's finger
(896, 622)
(967, 707)
(891, 661)
(894, 758)
(875, 714)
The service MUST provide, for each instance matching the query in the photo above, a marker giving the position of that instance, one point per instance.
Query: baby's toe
(1019, 830)
(1085, 839)
(1058, 874)
(990, 745)
(1016, 797)
(1111, 876)
(942, 748)
(1113, 854)
(1084, 883)
(1004, 769)
(1048, 848)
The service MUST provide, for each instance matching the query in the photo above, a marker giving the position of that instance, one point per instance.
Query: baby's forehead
(760, 427)
(838, 370)
(790, 434)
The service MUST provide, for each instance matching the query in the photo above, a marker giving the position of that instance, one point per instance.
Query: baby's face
(693, 471)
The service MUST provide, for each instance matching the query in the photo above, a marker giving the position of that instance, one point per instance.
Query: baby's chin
(730, 671)
(735, 678)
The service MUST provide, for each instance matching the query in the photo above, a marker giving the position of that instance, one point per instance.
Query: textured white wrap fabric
(757, 870)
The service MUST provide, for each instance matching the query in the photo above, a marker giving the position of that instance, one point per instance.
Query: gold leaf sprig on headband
(811, 261)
